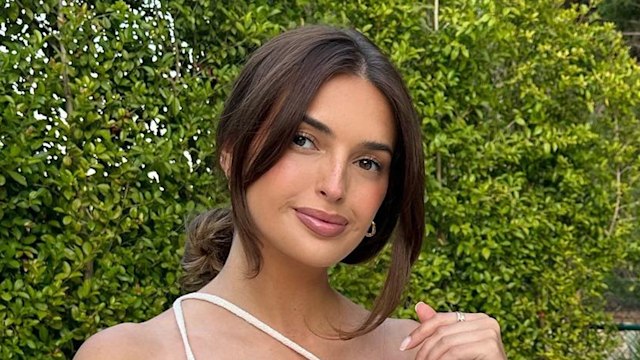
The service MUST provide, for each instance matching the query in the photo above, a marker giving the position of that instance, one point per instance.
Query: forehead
(351, 104)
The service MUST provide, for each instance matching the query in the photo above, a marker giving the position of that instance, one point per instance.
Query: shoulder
(123, 341)
(400, 327)
(154, 338)
(396, 330)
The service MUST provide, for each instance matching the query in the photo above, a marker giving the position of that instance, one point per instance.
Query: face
(317, 202)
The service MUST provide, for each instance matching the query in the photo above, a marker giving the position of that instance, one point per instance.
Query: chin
(317, 257)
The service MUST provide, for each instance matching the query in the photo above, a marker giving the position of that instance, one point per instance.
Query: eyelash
(361, 162)
(304, 136)
(372, 162)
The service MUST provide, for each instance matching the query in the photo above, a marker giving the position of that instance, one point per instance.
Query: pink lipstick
(322, 223)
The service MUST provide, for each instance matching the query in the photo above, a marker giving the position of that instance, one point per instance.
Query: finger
(429, 327)
(458, 335)
(424, 312)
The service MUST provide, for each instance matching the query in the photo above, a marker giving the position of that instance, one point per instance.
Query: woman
(322, 151)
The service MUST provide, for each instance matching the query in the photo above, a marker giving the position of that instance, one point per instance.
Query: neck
(285, 294)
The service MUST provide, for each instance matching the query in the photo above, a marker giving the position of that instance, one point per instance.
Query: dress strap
(232, 308)
(177, 310)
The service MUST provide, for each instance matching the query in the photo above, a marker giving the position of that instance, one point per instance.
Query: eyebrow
(317, 125)
(370, 145)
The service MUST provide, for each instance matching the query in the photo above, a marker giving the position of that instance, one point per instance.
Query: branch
(176, 51)
(65, 63)
(436, 15)
(439, 168)
(616, 209)
(631, 204)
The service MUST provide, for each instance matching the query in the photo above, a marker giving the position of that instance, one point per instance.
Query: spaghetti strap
(232, 308)
(177, 309)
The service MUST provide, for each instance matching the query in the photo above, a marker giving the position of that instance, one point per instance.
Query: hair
(262, 114)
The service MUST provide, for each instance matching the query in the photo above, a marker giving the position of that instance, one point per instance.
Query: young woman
(322, 150)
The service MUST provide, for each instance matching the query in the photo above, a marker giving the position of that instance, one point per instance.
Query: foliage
(625, 282)
(96, 120)
(530, 130)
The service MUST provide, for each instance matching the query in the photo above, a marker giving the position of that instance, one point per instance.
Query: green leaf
(87, 248)
(17, 177)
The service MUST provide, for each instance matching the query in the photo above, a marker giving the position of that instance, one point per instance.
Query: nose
(332, 181)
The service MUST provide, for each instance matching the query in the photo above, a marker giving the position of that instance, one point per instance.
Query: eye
(369, 164)
(303, 141)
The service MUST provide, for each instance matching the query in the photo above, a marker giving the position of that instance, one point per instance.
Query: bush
(106, 148)
(105, 152)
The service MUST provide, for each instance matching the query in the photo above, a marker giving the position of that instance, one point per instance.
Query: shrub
(106, 149)
(98, 120)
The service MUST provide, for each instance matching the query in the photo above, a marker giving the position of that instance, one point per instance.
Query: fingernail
(405, 343)
(416, 307)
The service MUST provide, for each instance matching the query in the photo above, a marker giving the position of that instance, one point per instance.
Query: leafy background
(530, 117)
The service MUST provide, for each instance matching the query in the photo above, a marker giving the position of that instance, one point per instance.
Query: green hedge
(531, 135)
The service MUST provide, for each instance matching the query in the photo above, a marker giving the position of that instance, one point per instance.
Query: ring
(459, 316)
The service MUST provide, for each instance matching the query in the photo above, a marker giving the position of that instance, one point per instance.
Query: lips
(322, 223)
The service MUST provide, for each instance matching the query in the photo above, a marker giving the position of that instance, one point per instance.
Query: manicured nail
(416, 307)
(405, 343)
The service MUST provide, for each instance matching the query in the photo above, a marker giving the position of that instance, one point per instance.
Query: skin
(337, 164)
(441, 336)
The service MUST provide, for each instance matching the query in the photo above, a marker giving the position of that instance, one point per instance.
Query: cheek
(282, 178)
(285, 172)
(370, 197)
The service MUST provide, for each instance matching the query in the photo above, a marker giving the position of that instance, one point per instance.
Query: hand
(441, 336)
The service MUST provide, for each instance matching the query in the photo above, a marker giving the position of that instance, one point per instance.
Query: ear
(225, 162)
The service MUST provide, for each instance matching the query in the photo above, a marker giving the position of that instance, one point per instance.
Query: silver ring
(460, 316)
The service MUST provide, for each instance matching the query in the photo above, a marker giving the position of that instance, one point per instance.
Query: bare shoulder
(400, 327)
(123, 341)
(396, 330)
(131, 341)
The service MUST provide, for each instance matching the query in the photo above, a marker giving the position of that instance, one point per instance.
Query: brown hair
(270, 98)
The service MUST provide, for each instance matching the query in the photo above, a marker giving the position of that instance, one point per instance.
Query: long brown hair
(266, 106)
